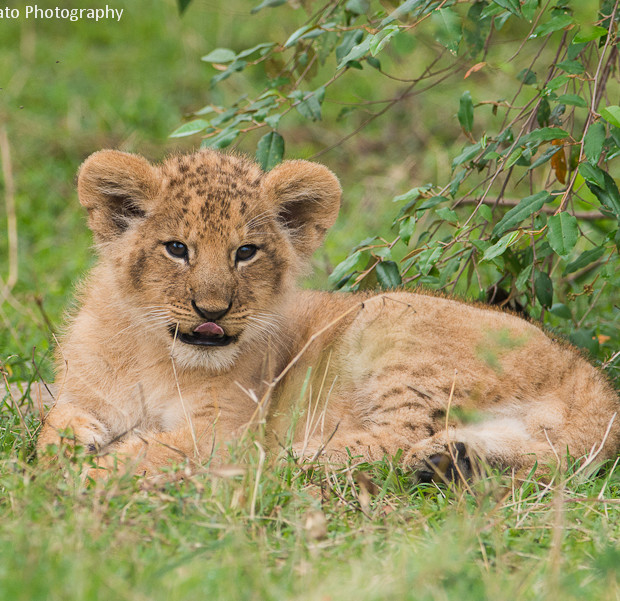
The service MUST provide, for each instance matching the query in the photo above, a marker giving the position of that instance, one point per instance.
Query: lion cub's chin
(214, 359)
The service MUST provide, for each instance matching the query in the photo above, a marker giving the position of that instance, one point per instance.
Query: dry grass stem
(11, 216)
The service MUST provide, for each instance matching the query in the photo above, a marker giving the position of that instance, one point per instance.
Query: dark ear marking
(116, 188)
(307, 200)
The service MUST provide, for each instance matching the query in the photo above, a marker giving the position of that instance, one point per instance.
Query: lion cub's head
(205, 248)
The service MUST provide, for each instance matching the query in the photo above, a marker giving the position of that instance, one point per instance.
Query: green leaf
(429, 203)
(448, 32)
(388, 275)
(379, 40)
(447, 214)
(561, 310)
(358, 7)
(469, 152)
(592, 174)
(183, 4)
(405, 230)
(512, 6)
(190, 128)
(486, 213)
(219, 55)
(343, 268)
(363, 243)
(589, 35)
(475, 29)
(273, 121)
(584, 259)
(529, 9)
(543, 158)
(527, 206)
(593, 142)
(543, 288)
(270, 150)
(544, 112)
(401, 11)
(428, 258)
(574, 50)
(296, 35)
(310, 106)
(466, 111)
(585, 339)
(349, 39)
(499, 248)
(413, 194)
(611, 114)
(544, 134)
(563, 233)
(252, 50)
(523, 278)
(514, 157)
(572, 67)
(267, 4)
(557, 82)
(205, 110)
(559, 21)
(607, 194)
(232, 68)
(358, 51)
(457, 180)
(572, 99)
(222, 140)
(527, 76)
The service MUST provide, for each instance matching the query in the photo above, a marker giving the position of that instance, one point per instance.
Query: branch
(585, 215)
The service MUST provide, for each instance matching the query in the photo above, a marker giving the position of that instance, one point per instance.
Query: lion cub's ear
(116, 188)
(307, 199)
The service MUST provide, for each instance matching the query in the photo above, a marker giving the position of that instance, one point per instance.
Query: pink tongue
(209, 328)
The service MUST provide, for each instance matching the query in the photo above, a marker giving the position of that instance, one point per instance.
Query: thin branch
(11, 217)
(504, 202)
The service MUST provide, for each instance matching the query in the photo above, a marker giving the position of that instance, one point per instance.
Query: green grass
(68, 90)
(276, 531)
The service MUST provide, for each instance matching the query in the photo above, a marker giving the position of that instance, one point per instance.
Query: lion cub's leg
(68, 424)
(449, 454)
(458, 452)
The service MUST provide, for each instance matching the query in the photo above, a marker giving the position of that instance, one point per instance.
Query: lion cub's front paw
(454, 464)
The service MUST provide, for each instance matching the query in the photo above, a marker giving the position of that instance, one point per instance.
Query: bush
(526, 215)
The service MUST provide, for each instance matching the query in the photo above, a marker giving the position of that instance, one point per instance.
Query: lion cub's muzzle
(208, 333)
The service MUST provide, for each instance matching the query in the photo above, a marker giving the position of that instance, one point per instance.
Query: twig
(611, 360)
(11, 218)
(188, 419)
(594, 301)
(452, 456)
(585, 215)
(357, 307)
(259, 471)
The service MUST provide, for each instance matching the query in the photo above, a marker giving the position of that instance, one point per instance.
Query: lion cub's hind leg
(460, 452)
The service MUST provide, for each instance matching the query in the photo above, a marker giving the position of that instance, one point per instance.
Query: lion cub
(191, 330)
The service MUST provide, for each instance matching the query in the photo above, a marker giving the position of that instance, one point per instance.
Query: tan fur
(366, 374)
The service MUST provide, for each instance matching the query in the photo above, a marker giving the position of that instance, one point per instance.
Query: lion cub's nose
(211, 314)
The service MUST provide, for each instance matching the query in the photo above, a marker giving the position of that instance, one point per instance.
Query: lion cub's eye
(245, 252)
(177, 249)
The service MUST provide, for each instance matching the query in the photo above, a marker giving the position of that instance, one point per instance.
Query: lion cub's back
(433, 342)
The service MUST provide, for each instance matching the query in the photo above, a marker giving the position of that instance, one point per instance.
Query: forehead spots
(211, 192)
